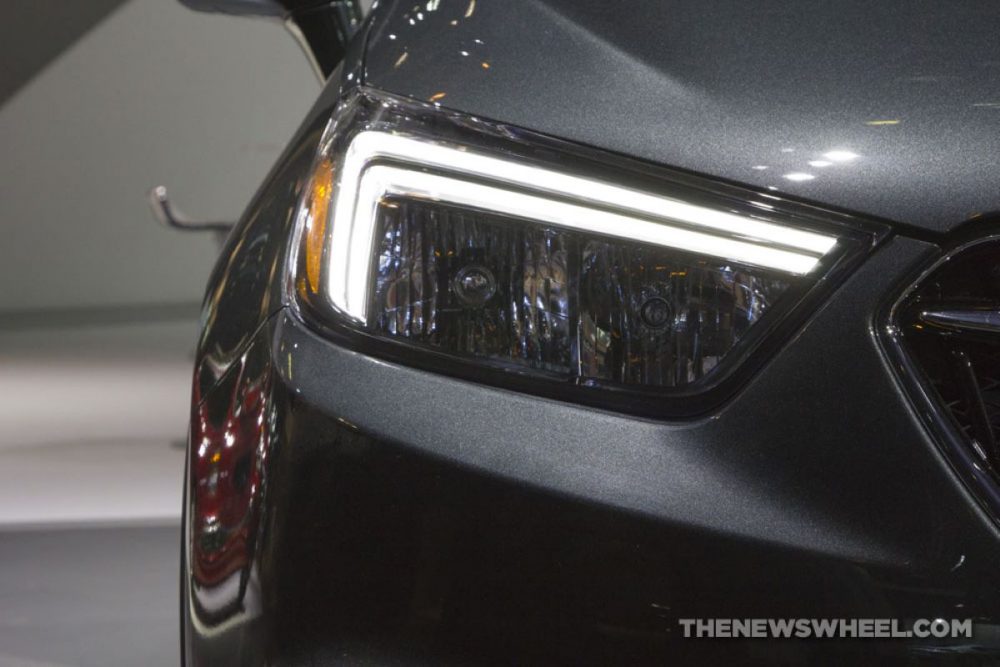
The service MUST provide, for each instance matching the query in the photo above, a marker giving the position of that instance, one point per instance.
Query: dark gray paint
(793, 460)
(720, 87)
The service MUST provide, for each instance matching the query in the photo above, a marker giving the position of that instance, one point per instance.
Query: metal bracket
(168, 216)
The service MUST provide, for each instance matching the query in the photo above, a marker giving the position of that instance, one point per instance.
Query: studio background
(100, 101)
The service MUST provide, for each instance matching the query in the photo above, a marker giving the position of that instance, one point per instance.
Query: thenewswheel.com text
(824, 628)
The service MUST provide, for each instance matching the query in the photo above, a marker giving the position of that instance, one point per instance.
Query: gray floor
(89, 597)
(92, 426)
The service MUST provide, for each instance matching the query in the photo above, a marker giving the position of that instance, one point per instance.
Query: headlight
(480, 250)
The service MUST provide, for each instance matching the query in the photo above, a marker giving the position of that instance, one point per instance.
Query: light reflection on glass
(561, 301)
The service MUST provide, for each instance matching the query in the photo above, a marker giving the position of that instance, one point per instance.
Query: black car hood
(746, 91)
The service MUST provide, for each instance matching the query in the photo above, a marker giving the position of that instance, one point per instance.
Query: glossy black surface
(318, 25)
(324, 27)
(727, 87)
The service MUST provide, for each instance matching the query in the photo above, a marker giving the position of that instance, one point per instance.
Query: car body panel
(749, 92)
(404, 516)
(400, 516)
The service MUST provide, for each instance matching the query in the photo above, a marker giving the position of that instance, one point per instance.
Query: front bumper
(401, 516)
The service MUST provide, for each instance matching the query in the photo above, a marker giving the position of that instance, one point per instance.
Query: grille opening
(966, 377)
(950, 326)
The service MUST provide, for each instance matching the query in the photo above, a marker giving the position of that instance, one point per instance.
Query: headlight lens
(525, 295)
(477, 250)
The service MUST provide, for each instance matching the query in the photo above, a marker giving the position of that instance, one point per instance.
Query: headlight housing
(483, 251)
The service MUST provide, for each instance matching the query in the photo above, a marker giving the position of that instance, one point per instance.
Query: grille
(950, 327)
(966, 378)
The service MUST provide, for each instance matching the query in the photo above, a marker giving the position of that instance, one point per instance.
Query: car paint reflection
(231, 434)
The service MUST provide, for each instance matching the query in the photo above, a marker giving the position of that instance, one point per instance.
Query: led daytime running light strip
(362, 187)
